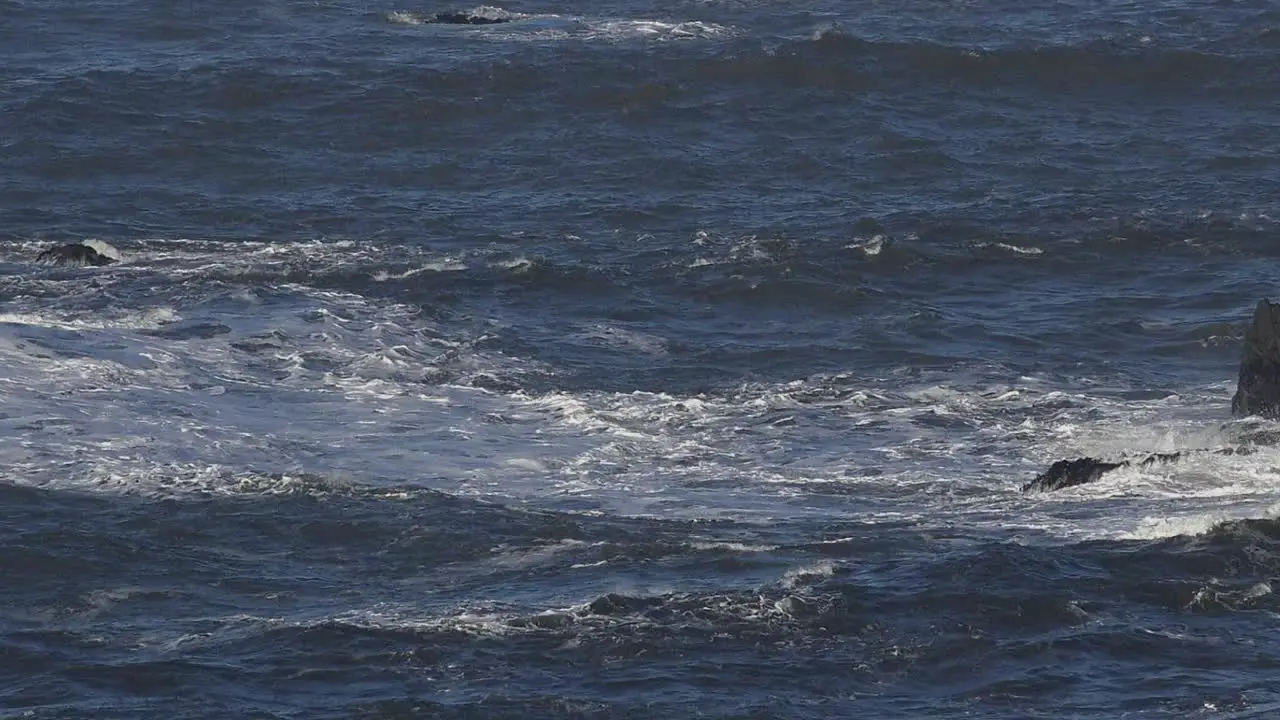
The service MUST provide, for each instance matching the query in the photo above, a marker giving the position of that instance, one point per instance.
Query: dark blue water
(634, 360)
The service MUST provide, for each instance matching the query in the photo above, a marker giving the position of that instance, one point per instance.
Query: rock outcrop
(1069, 473)
(93, 253)
(1258, 389)
(1257, 394)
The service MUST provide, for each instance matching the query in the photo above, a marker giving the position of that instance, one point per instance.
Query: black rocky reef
(1069, 473)
(1258, 389)
(1257, 394)
(78, 255)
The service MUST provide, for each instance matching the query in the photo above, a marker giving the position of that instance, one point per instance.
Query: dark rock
(462, 18)
(1258, 389)
(1257, 393)
(1150, 460)
(1068, 473)
(615, 604)
(77, 255)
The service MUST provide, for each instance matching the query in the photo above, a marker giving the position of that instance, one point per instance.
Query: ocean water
(634, 359)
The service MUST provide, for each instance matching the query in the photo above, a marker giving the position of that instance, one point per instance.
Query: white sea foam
(489, 12)
(551, 27)
(619, 337)
(1162, 527)
(1015, 249)
(441, 265)
(871, 246)
(660, 30)
(219, 387)
(404, 17)
(732, 547)
(148, 318)
(807, 575)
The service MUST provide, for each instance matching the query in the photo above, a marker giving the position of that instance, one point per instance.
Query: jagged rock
(93, 253)
(1258, 389)
(1068, 473)
(1257, 393)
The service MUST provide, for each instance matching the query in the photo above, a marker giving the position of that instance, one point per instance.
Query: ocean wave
(1092, 67)
(145, 592)
(513, 26)
(232, 338)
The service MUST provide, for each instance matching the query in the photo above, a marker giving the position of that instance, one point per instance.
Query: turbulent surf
(637, 359)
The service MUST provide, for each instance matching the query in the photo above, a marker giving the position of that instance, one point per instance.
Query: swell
(335, 143)
(689, 314)
(773, 265)
(394, 94)
(1095, 67)
(338, 600)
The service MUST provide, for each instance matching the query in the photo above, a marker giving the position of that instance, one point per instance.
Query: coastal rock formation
(1257, 394)
(1258, 389)
(93, 253)
(1069, 473)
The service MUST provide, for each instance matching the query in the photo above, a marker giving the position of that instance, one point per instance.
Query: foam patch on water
(223, 380)
(1162, 527)
(228, 374)
(659, 30)
(487, 12)
(551, 27)
(1015, 249)
(871, 246)
(404, 17)
(147, 318)
(446, 264)
(937, 455)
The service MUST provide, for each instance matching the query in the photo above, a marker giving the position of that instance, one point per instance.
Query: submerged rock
(93, 253)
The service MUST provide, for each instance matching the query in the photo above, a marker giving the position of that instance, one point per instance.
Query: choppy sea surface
(634, 359)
